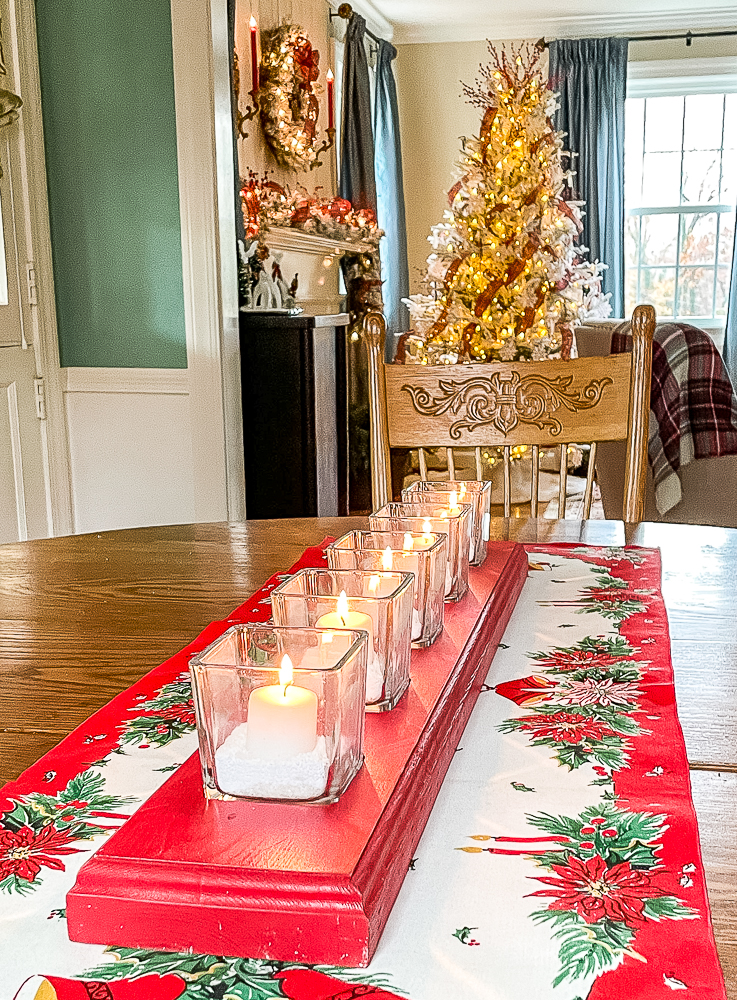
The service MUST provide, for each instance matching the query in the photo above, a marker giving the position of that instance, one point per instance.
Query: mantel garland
(266, 203)
(287, 97)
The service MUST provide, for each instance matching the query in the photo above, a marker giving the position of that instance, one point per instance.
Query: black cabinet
(295, 414)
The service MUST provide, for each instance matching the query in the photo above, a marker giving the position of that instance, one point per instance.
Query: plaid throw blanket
(693, 409)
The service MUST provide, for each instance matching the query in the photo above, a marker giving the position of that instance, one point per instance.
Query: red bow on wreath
(306, 59)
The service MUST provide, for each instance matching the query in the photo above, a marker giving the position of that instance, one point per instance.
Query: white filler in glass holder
(380, 603)
(280, 712)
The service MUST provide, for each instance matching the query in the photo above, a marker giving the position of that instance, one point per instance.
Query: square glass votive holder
(473, 491)
(380, 603)
(264, 736)
(436, 519)
(425, 556)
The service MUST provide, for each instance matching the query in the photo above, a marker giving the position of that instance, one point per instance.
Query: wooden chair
(542, 404)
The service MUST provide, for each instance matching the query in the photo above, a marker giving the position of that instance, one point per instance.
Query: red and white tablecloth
(561, 860)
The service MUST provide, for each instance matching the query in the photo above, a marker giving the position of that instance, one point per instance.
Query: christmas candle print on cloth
(561, 859)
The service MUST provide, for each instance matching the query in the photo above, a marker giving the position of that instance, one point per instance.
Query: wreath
(288, 104)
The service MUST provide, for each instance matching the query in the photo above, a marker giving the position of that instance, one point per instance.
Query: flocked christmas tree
(507, 281)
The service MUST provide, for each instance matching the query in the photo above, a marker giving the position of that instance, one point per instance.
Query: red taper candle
(254, 53)
(331, 105)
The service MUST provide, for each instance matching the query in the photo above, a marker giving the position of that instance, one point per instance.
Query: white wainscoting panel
(130, 446)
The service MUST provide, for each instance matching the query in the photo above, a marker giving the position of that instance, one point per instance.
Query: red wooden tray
(293, 882)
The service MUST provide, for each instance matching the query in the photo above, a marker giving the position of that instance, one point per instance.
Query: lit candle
(426, 532)
(254, 53)
(282, 718)
(330, 648)
(331, 106)
(276, 753)
(343, 618)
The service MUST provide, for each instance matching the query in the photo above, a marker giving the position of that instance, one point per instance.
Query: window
(680, 194)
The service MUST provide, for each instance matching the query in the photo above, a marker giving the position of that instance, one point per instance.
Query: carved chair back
(505, 404)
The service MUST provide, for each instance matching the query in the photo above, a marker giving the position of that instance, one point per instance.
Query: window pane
(695, 290)
(698, 238)
(657, 288)
(661, 181)
(700, 177)
(726, 237)
(632, 240)
(630, 290)
(663, 123)
(730, 121)
(658, 239)
(703, 123)
(729, 175)
(723, 276)
(633, 126)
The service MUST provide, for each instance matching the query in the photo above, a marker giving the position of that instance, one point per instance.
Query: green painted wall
(108, 108)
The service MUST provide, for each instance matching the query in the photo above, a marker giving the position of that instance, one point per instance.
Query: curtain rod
(689, 36)
(346, 12)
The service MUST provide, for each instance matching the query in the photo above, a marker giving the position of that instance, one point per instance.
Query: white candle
(344, 618)
(282, 718)
(330, 648)
(379, 586)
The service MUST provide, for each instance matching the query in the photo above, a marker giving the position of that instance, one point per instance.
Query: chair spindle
(589, 491)
(423, 463)
(507, 481)
(479, 466)
(535, 480)
(562, 485)
(451, 463)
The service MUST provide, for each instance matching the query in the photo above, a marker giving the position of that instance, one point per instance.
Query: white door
(24, 511)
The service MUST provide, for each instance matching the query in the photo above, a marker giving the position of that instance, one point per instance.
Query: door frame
(34, 216)
(207, 212)
(202, 95)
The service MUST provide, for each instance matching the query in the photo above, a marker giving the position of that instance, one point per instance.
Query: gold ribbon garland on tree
(288, 103)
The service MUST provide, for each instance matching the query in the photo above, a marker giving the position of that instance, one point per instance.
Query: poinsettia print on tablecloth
(561, 859)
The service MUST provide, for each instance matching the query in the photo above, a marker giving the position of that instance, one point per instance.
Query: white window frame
(676, 78)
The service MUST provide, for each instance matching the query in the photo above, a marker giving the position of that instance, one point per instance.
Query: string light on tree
(507, 281)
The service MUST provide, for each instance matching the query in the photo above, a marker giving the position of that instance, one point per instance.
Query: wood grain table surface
(83, 617)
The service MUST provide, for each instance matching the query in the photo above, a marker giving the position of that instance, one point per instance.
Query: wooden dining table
(83, 617)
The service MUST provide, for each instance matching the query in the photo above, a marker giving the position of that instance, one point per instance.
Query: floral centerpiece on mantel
(507, 282)
(267, 205)
(276, 214)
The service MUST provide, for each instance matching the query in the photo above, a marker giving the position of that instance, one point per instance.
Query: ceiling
(412, 21)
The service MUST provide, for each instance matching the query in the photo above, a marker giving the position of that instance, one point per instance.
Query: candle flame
(286, 674)
(426, 526)
(462, 491)
(253, 23)
(453, 502)
(373, 585)
(343, 606)
(409, 543)
(329, 76)
(386, 559)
